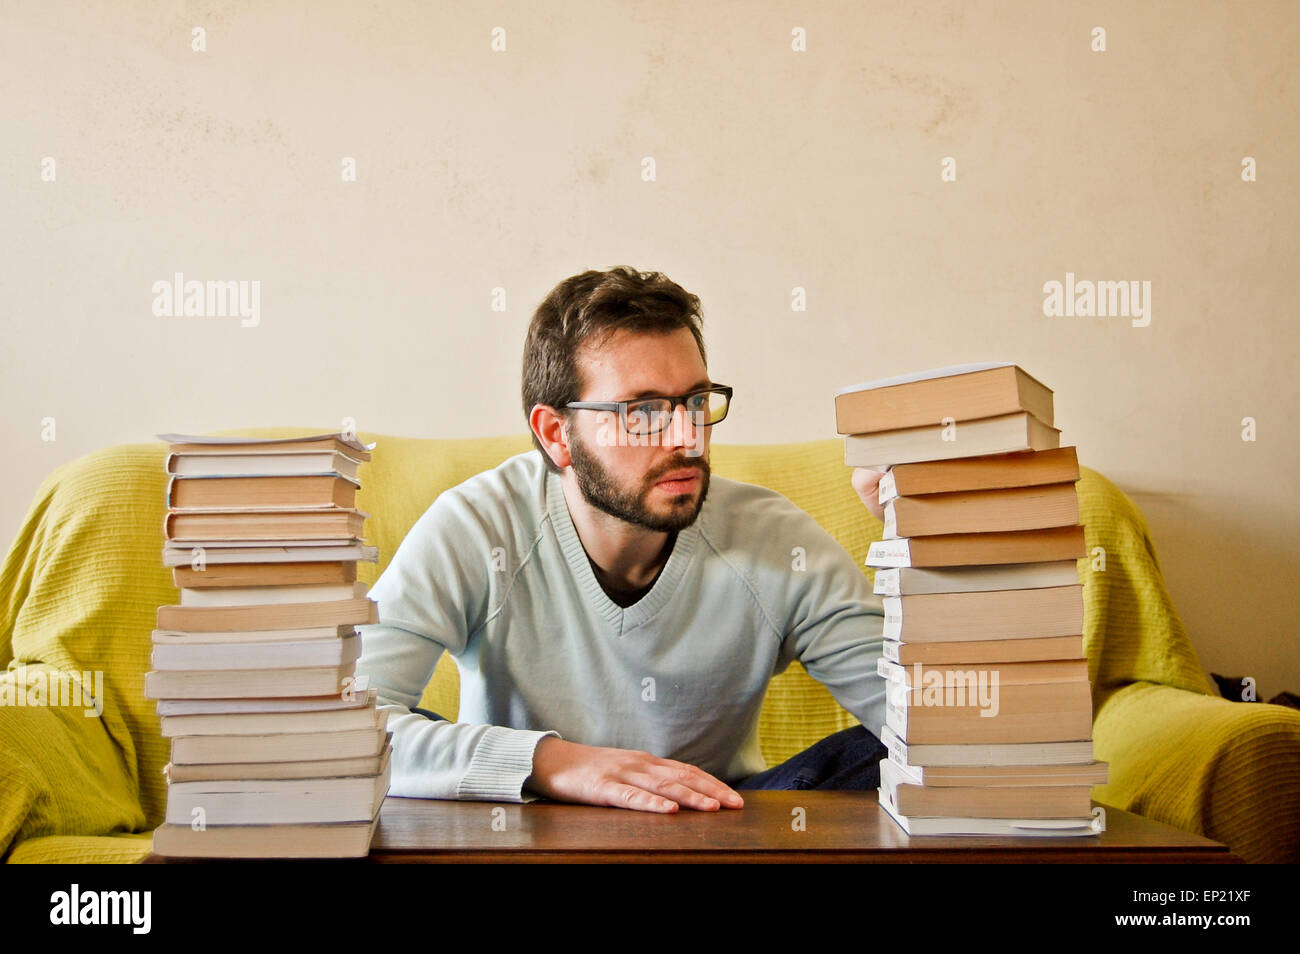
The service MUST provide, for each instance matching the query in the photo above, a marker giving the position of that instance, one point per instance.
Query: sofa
(83, 579)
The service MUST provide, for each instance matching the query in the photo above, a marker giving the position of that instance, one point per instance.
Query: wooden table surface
(838, 827)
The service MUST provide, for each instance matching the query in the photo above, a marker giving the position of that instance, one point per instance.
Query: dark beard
(601, 491)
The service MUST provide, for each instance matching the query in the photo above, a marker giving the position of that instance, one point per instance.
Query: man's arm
(432, 596)
(835, 624)
(440, 759)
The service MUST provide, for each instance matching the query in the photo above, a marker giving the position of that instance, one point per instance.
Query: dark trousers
(848, 759)
(845, 760)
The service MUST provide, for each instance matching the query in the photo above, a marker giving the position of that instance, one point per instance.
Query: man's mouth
(680, 481)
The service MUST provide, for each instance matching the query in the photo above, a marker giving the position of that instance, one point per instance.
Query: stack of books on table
(989, 707)
(275, 750)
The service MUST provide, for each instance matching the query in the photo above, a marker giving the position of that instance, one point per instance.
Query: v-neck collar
(622, 619)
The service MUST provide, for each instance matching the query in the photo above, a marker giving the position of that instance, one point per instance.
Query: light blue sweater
(494, 572)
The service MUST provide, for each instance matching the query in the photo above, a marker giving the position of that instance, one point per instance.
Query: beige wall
(775, 169)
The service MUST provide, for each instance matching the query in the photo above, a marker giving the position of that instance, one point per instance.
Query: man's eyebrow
(697, 386)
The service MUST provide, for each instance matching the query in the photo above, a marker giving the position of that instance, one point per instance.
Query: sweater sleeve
(432, 597)
(834, 624)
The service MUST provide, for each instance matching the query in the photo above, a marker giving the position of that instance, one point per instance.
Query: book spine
(888, 488)
(896, 708)
(887, 582)
(889, 553)
(893, 624)
(897, 749)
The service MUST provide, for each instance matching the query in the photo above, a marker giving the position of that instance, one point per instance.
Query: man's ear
(552, 432)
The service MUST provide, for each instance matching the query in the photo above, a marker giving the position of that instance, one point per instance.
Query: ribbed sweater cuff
(502, 762)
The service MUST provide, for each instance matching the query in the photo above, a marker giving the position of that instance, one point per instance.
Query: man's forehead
(643, 364)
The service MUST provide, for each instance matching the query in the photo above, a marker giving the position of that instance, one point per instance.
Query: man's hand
(867, 482)
(623, 778)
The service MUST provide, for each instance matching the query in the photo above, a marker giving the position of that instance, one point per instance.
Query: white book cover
(223, 552)
(263, 464)
(217, 442)
(359, 696)
(208, 545)
(176, 637)
(300, 654)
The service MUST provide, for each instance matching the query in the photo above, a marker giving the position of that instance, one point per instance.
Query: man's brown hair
(588, 308)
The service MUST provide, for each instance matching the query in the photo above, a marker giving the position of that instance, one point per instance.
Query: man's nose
(681, 431)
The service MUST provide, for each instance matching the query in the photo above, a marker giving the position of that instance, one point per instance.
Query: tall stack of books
(275, 750)
(989, 708)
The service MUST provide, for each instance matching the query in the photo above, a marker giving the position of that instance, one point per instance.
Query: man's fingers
(865, 480)
(698, 780)
(679, 792)
(867, 483)
(623, 795)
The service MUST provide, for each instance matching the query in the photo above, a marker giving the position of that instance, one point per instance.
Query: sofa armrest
(1226, 770)
(83, 850)
(61, 772)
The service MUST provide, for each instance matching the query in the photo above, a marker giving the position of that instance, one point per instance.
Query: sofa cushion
(60, 769)
(83, 850)
(80, 589)
(1227, 770)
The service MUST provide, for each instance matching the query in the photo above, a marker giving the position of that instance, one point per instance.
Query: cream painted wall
(774, 169)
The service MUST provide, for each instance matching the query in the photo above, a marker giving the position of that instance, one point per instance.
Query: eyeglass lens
(654, 414)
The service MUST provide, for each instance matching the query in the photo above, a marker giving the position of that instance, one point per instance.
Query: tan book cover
(982, 511)
(984, 652)
(972, 549)
(960, 392)
(1055, 465)
(232, 493)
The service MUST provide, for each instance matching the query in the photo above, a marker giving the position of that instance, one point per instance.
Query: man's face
(627, 481)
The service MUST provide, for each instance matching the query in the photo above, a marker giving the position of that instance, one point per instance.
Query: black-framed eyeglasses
(651, 415)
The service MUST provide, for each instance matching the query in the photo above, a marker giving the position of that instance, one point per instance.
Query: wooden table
(839, 827)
